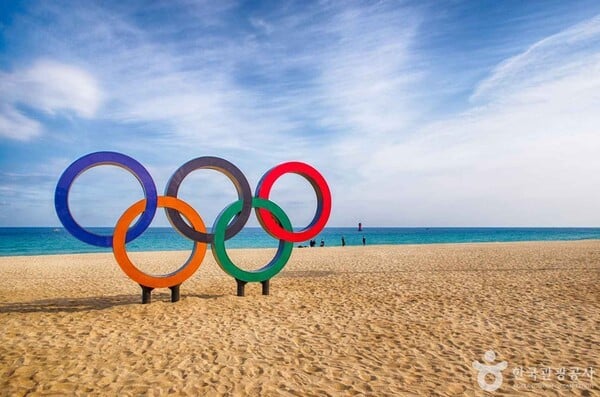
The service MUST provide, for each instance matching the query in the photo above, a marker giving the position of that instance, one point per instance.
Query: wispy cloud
(47, 86)
(524, 153)
(15, 125)
(555, 57)
(335, 67)
(344, 86)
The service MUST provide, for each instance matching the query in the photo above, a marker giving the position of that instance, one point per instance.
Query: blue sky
(455, 113)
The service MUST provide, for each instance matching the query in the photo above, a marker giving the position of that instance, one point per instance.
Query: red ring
(268, 221)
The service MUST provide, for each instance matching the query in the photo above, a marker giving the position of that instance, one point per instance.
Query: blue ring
(61, 195)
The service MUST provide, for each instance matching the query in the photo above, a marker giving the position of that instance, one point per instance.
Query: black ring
(237, 178)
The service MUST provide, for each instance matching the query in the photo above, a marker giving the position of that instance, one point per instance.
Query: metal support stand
(240, 287)
(175, 293)
(146, 294)
(265, 287)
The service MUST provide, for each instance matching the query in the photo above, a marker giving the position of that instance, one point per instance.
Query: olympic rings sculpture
(227, 224)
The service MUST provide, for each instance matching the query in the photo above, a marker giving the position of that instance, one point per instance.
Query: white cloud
(341, 86)
(555, 57)
(46, 86)
(335, 69)
(367, 75)
(14, 125)
(525, 153)
(52, 87)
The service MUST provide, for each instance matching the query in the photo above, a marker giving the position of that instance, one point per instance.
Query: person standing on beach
(343, 242)
(364, 241)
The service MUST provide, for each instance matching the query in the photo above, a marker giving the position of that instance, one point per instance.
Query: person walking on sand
(364, 241)
(343, 242)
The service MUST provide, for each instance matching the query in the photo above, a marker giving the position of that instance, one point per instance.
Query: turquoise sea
(44, 240)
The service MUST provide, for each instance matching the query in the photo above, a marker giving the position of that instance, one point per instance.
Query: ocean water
(44, 241)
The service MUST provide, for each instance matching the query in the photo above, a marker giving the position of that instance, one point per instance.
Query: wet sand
(375, 320)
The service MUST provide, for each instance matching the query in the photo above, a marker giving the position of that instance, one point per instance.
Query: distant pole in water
(359, 226)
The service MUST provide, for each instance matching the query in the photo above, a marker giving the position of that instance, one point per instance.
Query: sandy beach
(375, 320)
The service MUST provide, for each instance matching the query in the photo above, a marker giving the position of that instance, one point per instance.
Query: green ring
(284, 251)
